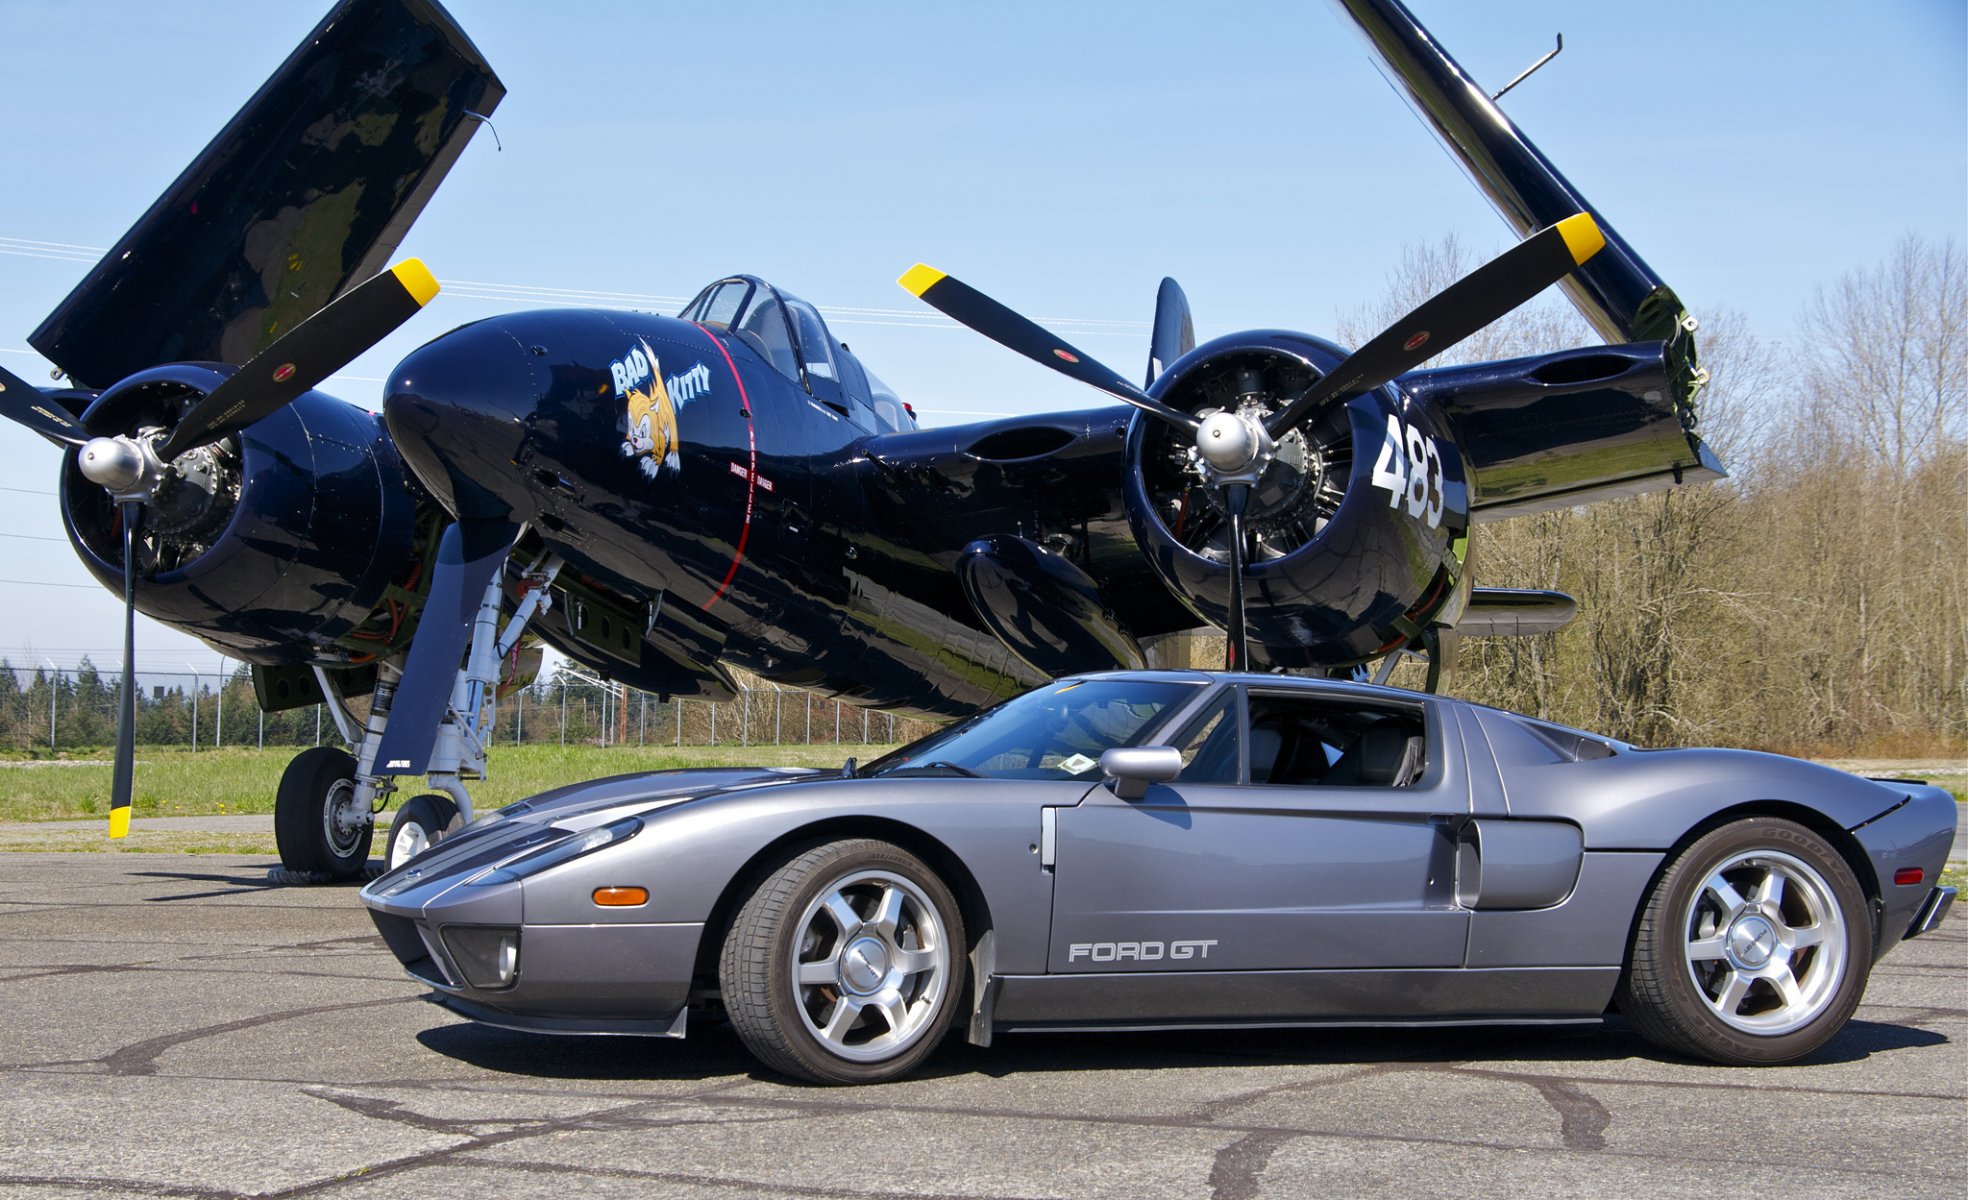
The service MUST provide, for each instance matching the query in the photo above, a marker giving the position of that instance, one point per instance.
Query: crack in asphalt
(1582, 1120)
(140, 1058)
(1234, 1171)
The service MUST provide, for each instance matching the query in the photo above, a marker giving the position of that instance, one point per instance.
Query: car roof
(1259, 679)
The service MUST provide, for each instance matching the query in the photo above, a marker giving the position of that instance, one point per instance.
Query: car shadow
(713, 1050)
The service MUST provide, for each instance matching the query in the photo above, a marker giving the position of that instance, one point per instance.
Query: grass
(175, 783)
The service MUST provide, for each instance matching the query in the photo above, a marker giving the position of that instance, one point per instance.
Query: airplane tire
(315, 819)
(421, 823)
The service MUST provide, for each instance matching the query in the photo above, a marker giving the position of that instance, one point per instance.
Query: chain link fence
(71, 710)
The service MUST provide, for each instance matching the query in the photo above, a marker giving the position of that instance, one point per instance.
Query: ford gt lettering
(1139, 951)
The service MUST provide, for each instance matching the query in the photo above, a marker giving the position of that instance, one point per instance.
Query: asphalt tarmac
(175, 1027)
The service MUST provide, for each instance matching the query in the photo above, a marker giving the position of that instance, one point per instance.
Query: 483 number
(1410, 468)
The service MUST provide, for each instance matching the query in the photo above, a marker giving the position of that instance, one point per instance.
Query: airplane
(664, 499)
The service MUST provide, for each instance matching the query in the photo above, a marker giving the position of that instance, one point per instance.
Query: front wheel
(421, 823)
(317, 824)
(846, 965)
(1753, 947)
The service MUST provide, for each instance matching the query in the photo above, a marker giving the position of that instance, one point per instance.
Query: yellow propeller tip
(119, 822)
(416, 280)
(1582, 236)
(920, 278)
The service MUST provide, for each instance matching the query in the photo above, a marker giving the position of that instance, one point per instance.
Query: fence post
(714, 724)
(563, 713)
(679, 716)
(744, 716)
(778, 715)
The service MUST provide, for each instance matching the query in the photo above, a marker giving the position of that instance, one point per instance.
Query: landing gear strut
(325, 815)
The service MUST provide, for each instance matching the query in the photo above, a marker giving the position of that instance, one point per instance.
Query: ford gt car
(1181, 850)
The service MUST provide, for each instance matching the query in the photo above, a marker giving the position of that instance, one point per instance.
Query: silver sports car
(1161, 850)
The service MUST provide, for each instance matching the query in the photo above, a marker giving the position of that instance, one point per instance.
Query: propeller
(968, 306)
(132, 466)
(23, 402)
(1232, 449)
(305, 355)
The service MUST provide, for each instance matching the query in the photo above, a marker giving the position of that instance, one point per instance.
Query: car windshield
(1056, 732)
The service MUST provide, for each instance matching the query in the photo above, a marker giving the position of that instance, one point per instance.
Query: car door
(1276, 853)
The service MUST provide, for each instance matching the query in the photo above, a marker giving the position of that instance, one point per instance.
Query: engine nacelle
(270, 544)
(1357, 525)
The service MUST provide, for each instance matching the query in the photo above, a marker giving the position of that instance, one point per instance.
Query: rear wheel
(846, 965)
(317, 824)
(1753, 948)
(421, 823)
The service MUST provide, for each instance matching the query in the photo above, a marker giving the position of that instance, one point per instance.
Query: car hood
(582, 806)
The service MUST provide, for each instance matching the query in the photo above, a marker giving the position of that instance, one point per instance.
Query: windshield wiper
(939, 767)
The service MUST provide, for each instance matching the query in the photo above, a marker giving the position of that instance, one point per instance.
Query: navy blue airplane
(666, 498)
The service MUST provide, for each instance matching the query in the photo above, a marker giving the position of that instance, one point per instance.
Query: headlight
(565, 850)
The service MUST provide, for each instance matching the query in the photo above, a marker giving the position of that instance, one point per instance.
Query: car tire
(316, 823)
(421, 823)
(846, 965)
(1752, 948)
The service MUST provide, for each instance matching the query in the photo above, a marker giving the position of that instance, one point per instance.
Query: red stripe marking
(751, 476)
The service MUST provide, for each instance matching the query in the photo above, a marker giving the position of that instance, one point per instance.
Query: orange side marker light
(621, 897)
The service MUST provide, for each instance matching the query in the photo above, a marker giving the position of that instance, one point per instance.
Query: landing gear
(322, 828)
(421, 822)
(325, 818)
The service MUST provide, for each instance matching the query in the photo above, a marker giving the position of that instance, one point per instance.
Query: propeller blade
(1236, 497)
(23, 402)
(126, 704)
(1462, 308)
(305, 355)
(1175, 332)
(968, 306)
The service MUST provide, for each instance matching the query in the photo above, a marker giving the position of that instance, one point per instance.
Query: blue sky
(1061, 157)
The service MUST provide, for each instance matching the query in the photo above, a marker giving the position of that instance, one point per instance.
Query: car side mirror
(1132, 770)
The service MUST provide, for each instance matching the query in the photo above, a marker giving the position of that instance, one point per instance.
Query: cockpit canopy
(788, 333)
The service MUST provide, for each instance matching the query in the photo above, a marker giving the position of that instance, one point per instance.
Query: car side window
(1209, 745)
(1297, 740)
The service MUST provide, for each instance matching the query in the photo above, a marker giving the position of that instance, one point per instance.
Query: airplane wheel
(316, 822)
(846, 965)
(1752, 949)
(421, 823)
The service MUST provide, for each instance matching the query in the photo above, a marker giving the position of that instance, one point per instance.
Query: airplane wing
(306, 192)
(1593, 425)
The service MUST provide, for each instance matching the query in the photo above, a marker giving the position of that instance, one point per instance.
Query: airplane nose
(457, 410)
